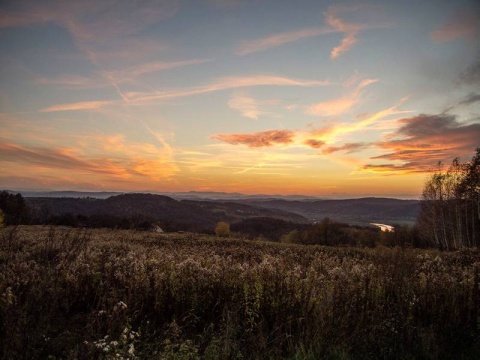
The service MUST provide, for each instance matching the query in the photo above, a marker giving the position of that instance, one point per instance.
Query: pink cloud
(350, 31)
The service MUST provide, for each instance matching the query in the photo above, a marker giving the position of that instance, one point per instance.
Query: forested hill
(187, 215)
(364, 210)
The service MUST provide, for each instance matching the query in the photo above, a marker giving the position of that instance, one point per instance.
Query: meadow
(121, 294)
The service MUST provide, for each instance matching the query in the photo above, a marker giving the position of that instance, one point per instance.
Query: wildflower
(131, 349)
(122, 305)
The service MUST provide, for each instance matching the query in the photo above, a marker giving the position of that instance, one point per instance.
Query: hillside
(187, 215)
(365, 210)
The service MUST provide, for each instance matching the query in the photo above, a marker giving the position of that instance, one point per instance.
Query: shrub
(222, 229)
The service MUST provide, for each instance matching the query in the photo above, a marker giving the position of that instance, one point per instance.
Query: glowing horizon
(309, 98)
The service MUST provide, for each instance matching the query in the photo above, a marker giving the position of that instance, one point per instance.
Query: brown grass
(83, 294)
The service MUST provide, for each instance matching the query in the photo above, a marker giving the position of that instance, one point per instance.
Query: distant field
(83, 294)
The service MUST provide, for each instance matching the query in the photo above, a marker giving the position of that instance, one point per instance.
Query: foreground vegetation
(83, 294)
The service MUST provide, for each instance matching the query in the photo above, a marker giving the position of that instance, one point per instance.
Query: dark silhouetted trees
(14, 207)
(450, 208)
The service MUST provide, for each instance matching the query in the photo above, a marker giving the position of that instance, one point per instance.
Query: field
(86, 294)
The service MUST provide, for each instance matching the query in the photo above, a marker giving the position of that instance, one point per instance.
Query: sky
(323, 98)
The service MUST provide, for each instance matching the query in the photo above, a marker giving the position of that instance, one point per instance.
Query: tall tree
(450, 208)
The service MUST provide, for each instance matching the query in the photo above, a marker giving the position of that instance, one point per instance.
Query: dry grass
(83, 294)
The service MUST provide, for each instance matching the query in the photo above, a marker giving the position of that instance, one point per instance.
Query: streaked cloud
(463, 24)
(315, 138)
(259, 139)
(74, 81)
(424, 140)
(111, 157)
(251, 46)
(63, 158)
(347, 148)
(350, 31)
(344, 103)
(86, 105)
(335, 24)
(331, 133)
(225, 83)
(130, 74)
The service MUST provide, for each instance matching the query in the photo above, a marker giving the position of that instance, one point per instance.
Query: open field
(83, 294)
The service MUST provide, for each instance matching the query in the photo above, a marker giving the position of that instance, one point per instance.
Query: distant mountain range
(189, 195)
(356, 211)
(211, 207)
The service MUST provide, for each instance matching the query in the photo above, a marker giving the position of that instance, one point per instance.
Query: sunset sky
(319, 98)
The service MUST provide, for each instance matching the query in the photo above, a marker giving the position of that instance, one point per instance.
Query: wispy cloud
(63, 158)
(335, 24)
(423, 140)
(342, 104)
(315, 138)
(246, 105)
(350, 31)
(251, 46)
(348, 148)
(86, 105)
(318, 138)
(111, 156)
(130, 74)
(463, 24)
(259, 139)
(74, 81)
(104, 32)
(470, 99)
(224, 84)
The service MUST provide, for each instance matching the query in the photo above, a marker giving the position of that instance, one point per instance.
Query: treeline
(450, 208)
(15, 211)
(328, 233)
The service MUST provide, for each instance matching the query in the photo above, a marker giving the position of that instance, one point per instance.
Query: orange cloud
(111, 156)
(313, 143)
(259, 139)
(331, 133)
(348, 148)
(424, 140)
(464, 24)
(57, 158)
